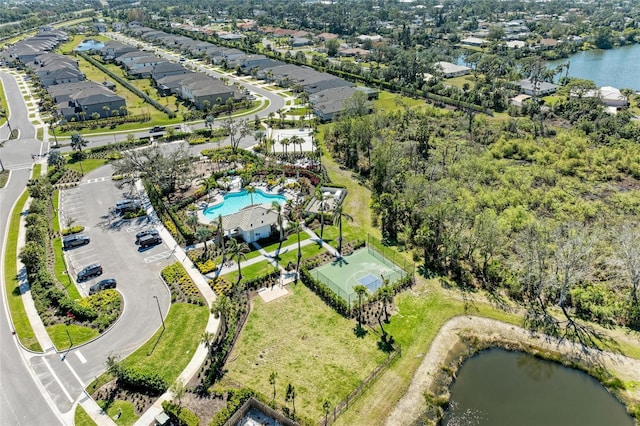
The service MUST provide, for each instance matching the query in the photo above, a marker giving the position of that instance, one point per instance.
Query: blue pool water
(236, 201)
(89, 45)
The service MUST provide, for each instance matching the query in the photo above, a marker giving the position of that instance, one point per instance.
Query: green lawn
(168, 352)
(79, 335)
(175, 347)
(121, 412)
(3, 104)
(60, 271)
(291, 253)
(459, 82)
(19, 317)
(250, 271)
(88, 164)
(81, 418)
(308, 345)
(388, 101)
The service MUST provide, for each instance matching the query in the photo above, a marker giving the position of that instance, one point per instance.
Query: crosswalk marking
(81, 357)
(57, 379)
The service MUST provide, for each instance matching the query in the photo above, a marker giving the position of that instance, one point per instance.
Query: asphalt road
(23, 400)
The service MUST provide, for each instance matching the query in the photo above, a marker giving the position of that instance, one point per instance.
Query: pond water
(498, 387)
(236, 201)
(89, 45)
(617, 67)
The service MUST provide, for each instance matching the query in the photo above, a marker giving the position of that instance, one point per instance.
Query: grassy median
(21, 323)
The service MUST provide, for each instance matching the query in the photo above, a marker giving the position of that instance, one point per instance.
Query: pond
(89, 44)
(612, 67)
(236, 201)
(498, 387)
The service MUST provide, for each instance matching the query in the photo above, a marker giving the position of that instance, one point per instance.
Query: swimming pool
(236, 201)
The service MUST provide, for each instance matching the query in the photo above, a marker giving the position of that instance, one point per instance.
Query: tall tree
(238, 252)
(276, 207)
(291, 396)
(77, 143)
(339, 215)
(361, 291)
(320, 196)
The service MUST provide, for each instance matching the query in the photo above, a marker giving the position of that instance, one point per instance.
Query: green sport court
(365, 267)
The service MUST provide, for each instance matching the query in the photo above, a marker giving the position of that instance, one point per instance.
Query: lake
(499, 387)
(619, 67)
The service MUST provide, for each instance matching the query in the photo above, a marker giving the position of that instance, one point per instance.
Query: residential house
(329, 103)
(541, 88)
(474, 41)
(166, 68)
(449, 70)
(79, 101)
(202, 90)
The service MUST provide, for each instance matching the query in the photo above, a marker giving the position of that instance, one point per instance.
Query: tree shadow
(360, 331)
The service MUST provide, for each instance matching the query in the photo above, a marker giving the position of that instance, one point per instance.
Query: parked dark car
(150, 240)
(90, 271)
(102, 285)
(127, 205)
(144, 233)
(157, 129)
(75, 241)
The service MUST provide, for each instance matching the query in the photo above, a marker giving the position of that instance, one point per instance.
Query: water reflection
(535, 368)
(499, 388)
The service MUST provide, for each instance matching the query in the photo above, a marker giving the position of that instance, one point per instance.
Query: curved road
(23, 399)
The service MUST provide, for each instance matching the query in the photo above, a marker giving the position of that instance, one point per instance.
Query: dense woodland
(549, 221)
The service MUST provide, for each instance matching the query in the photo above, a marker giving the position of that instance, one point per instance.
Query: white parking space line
(55, 377)
(156, 257)
(81, 357)
(96, 180)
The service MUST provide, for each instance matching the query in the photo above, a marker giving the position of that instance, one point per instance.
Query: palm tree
(239, 251)
(77, 142)
(285, 143)
(361, 291)
(276, 207)
(386, 296)
(339, 214)
(203, 234)
(221, 308)
(272, 382)
(251, 190)
(321, 197)
(209, 120)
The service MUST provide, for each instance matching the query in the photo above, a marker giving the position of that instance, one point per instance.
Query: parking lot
(113, 245)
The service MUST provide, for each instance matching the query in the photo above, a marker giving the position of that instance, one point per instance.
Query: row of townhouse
(73, 97)
(327, 92)
(170, 78)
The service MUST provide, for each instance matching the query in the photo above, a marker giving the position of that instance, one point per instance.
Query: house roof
(449, 68)
(96, 94)
(543, 86)
(250, 218)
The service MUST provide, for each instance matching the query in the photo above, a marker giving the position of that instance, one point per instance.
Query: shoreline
(412, 404)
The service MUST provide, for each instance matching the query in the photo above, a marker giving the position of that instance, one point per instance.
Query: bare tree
(166, 169)
(626, 254)
(237, 130)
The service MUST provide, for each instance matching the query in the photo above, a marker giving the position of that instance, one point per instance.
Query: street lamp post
(160, 311)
